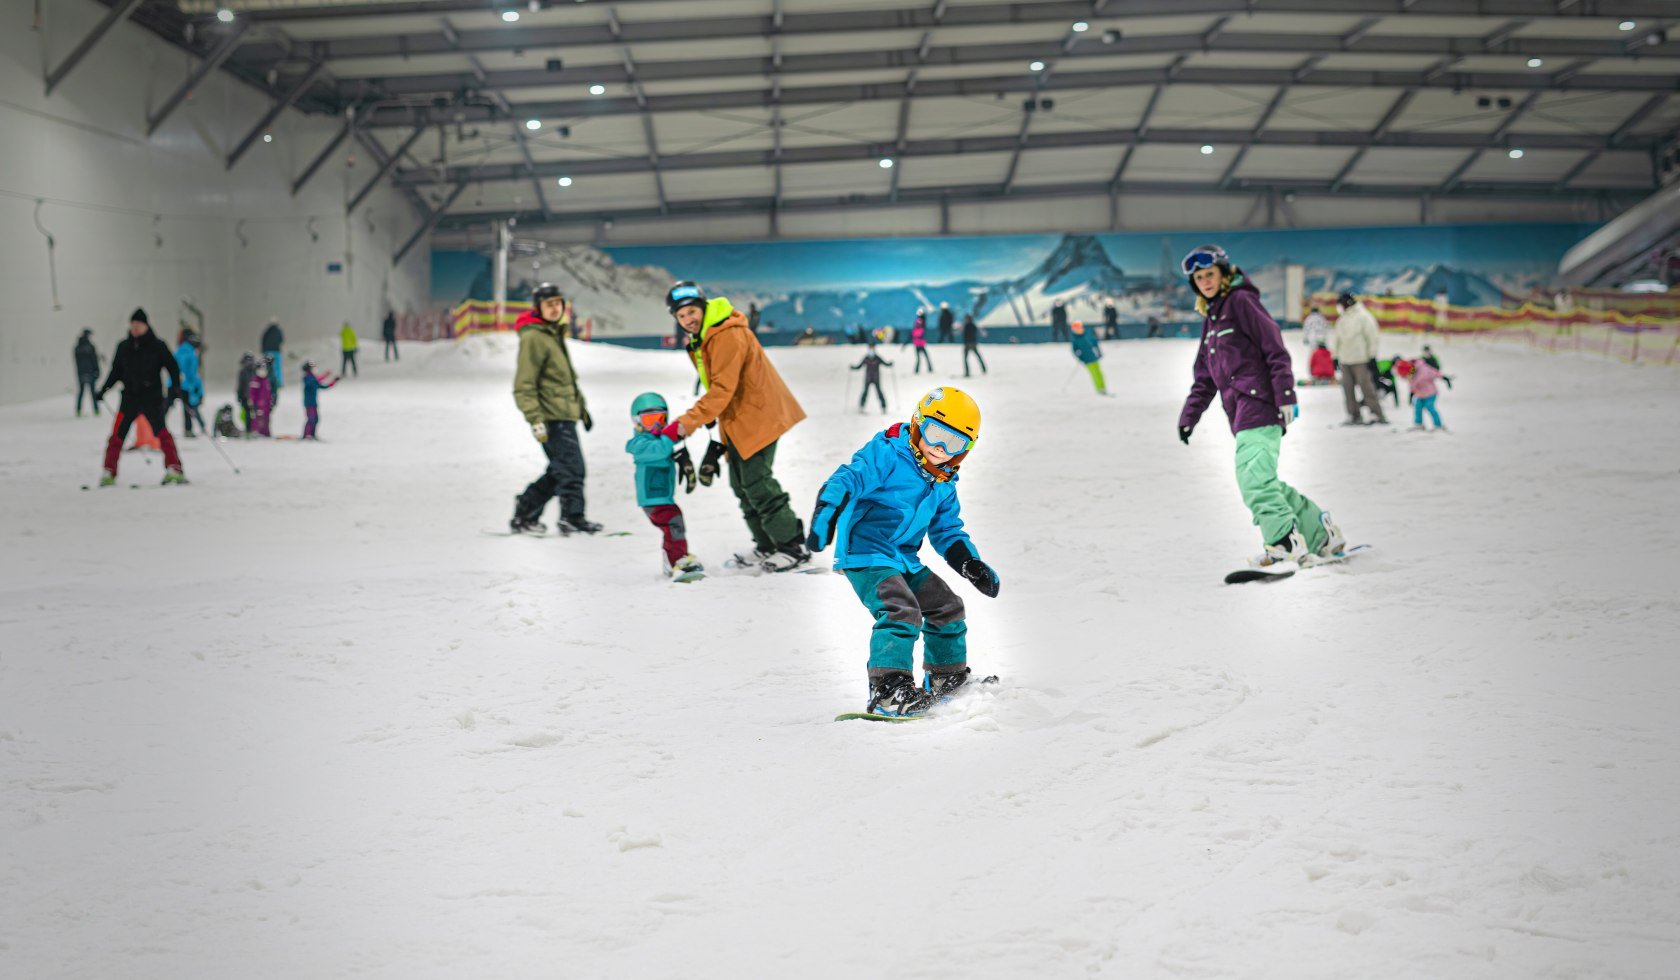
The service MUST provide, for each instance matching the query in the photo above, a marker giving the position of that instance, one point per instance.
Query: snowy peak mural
(835, 286)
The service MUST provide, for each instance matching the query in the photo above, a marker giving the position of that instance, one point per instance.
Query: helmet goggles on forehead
(1204, 258)
(680, 293)
(949, 440)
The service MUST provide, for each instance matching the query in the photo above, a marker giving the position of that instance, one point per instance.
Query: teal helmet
(648, 401)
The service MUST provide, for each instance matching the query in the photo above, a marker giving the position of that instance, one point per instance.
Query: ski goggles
(949, 440)
(651, 421)
(1203, 258)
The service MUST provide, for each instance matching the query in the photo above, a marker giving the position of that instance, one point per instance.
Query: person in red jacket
(1322, 365)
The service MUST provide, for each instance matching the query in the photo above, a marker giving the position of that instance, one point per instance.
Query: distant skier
(1422, 375)
(87, 371)
(272, 340)
(1111, 321)
(1089, 353)
(918, 339)
(658, 471)
(1154, 323)
(347, 344)
(1435, 362)
(1058, 322)
(753, 408)
(139, 359)
(242, 388)
(191, 391)
(947, 321)
(871, 367)
(898, 489)
(313, 385)
(260, 398)
(545, 387)
(1356, 348)
(1315, 329)
(1242, 359)
(971, 344)
(388, 330)
(752, 317)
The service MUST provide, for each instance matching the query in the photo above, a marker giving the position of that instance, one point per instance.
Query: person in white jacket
(1315, 330)
(1356, 349)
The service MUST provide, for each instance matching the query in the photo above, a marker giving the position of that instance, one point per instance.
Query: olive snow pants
(764, 504)
(1276, 505)
(906, 606)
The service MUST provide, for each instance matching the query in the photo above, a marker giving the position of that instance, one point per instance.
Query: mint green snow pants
(1275, 504)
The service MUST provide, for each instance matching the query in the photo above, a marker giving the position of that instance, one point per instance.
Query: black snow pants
(563, 478)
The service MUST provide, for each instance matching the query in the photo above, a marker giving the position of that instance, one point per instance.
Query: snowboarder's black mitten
(823, 520)
(685, 468)
(967, 564)
(709, 466)
(1184, 433)
(588, 423)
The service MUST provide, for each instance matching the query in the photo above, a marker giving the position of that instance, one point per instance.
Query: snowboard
(1284, 569)
(738, 567)
(872, 716)
(131, 486)
(505, 533)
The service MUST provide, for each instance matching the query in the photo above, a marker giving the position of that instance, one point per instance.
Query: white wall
(146, 222)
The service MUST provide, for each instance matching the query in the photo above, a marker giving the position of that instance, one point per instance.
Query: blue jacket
(656, 475)
(192, 385)
(887, 504)
(311, 386)
(1085, 346)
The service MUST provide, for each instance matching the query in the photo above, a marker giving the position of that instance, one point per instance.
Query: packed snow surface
(309, 721)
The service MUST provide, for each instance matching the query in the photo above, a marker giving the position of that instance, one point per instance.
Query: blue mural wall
(1011, 281)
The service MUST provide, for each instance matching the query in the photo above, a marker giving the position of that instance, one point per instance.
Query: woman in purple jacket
(1243, 360)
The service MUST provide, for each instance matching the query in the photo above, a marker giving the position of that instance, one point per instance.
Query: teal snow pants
(1275, 504)
(906, 606)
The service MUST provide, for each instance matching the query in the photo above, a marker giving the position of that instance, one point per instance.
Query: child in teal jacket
(657, 470)
(898, 489)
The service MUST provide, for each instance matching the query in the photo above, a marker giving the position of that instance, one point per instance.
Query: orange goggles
(651, 421)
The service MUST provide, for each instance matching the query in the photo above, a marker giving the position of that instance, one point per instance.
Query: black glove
(588, 423)
(823, 521)
(1184, 433)
(709, 466)
(979, 574)
(685, 468)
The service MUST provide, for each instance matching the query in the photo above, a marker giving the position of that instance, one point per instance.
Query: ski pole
(1069, 380)
(223, 453)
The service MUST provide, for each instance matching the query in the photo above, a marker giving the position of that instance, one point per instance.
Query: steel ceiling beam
(1142, 128)
(322, 157)
(392, 113)
(844, 152)
(1031, 106)
(989, 192)
(1638, 116)
(632, 76)
(385, 166)
(1495, 139)
(281, 104)
(430, 222)
(1260, 125)
(119, 12)
(1383, 126)
(211, 62)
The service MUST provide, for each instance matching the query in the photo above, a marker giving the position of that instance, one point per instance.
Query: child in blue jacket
(899, 488)
(313, 385)
(657, 471)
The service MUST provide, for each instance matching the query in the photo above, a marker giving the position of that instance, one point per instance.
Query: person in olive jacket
(139, 359)
(546, 390)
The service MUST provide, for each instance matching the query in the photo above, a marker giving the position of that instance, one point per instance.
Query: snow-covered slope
(308, 722)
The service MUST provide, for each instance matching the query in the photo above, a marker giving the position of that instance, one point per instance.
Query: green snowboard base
(871, 716)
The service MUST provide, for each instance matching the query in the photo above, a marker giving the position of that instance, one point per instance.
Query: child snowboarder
(312, 386)
(259, 399)
(918, 337)
(871, 366)
(1085, 348)
(899, 488)
(1322, 365)
(1422, 377)
(658, 468)
(1242, 359)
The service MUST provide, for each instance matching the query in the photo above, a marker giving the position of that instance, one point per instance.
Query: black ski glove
(709, 465)
(967, 564)
(685, 468)
(1184, 433)
(588, 423)
(823, 520)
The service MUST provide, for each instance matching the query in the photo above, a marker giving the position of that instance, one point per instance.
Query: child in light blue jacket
(876, 510)
(658, 468)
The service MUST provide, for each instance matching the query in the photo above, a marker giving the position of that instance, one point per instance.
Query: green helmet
(648, 401)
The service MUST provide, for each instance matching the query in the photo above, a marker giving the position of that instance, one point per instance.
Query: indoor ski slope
(309, 721)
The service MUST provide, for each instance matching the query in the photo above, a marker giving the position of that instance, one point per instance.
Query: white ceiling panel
(701, 185)
(1178, 163)
(969, 168)
(1210, 106)
(1405, 165)
(840, 123)
(1307, 107)
(1084, 165)
(1542, 166)
(1292, 162)
(829, 179)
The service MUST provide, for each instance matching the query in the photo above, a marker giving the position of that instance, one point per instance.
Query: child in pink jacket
(1422, 377)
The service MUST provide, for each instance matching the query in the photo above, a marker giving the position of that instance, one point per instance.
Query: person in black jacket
(389, 332)
(1111, 321)
(1059, 322)
(87, 371)
(871, 367)
(272, 338)
(971, 343)
(139, 359)
(242, 388)
(947, 321)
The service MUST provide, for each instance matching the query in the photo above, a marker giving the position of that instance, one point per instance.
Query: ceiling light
(224, 15)
(1207, 149)
(1080, 27)
(510, 16)
(1535, 62)
(597, 89)
(533, 124)
(1627, 25)
(1036, 66)
(1515, 154)
(886, 163)
(565, 181)
(268, 137)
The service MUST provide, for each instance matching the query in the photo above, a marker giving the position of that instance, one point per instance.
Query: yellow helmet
(949, 418)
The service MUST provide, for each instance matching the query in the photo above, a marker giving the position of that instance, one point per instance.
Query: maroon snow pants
(127, 412)
(669, 519)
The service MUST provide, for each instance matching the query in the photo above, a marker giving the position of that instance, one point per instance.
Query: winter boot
(108, 479)
(1289, 548)
(895, 695)
(1333, 540)
(686, 569)
(526, 525)
(576, 525)
(787, 558)
(173, 475)
(749, 557)
(943, 684)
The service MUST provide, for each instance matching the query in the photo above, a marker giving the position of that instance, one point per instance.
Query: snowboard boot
(576, 525)
(1334, 543)
(174, 475)
(686, 569)
(1289, 548)
(108, 479)
(895, 695)
(787, 558)
(942, 684)
(752, 557)
(526, 525)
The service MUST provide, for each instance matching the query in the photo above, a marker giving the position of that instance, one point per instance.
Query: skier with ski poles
(136, 365)
(545, 387)
(753, 408)
(1089, 353)
(871, 367)
(1242, 359)
(900, 488)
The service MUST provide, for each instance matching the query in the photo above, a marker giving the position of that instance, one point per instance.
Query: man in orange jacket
(753, 409)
